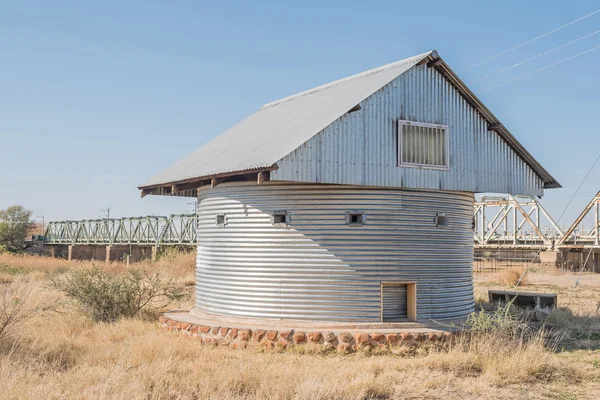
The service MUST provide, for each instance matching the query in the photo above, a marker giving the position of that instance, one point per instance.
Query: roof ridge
(349, 78)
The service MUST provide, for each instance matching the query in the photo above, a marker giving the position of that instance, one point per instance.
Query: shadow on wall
(322, 251)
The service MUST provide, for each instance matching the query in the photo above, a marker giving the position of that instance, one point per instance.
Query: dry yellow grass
(64, 355)
(515, 275)
(133, 359)
(177, 266)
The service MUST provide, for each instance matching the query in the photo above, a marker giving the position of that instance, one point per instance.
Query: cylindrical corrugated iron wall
(319, 267)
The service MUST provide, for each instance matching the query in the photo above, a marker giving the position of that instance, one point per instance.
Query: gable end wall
(360, 148)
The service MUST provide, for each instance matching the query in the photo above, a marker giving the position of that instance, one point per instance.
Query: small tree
(15, 224)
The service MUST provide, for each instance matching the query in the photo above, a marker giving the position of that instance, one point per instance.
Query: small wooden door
(394, 302)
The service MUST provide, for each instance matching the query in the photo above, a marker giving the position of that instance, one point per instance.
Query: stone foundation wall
(342, 342)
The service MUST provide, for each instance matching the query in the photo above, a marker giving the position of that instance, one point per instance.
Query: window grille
(423, 145)
(221, 220)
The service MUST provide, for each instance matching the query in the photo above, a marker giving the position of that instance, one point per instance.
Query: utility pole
(107, 224)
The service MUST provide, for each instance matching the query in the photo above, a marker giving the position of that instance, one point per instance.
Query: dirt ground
(546, 277)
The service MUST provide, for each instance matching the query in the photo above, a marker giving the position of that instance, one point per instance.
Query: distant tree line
(15, 225)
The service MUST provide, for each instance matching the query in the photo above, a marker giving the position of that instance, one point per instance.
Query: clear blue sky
(96, 97)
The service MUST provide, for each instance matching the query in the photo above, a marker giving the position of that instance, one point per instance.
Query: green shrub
(107, 297)
(499, 319)
(510, 324)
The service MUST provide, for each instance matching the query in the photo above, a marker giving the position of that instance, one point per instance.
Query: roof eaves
(191, 179)
(549, 181)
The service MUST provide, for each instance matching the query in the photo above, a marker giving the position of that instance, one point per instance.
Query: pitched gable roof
(278, 128)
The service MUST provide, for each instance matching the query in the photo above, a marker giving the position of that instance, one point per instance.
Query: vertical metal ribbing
(360, 149)
(319, 267)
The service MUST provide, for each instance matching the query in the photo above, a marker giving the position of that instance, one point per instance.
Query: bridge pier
(57, 250)
(102, 252)
(87, 252)
(135, 253)
(578, 259)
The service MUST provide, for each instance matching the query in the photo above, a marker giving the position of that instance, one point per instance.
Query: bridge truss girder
(499, 221)
(589, 238)
(511, 216)
(177, 229)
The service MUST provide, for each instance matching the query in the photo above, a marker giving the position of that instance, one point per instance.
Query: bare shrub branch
(17, 306)
(107, 297)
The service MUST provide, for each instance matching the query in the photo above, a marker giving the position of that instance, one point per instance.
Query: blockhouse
(352, 201)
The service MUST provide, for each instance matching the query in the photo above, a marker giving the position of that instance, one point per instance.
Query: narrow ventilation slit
(441, 220)
(355, 218)
(280, 219)
(355, 108)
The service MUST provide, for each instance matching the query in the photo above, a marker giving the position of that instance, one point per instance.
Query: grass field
(59, 353)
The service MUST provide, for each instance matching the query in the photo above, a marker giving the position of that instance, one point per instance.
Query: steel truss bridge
(517, 222)
(499, 222)
(177, 229)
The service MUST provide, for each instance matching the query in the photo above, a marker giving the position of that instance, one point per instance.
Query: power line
(558, 220)
(531, 40)
(582, 267)
(538, 56)
(540, 69)
(579, 187)
(572, 171)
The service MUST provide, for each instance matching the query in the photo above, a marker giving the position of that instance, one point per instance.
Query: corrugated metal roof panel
(280, 127)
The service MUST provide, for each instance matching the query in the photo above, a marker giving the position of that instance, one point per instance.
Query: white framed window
(422, 145)
(221, 220)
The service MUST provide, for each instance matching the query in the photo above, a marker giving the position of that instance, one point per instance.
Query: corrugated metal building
(351, 201)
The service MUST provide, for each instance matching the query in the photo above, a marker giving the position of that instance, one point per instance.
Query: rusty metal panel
(360, 148)
(318, 266)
